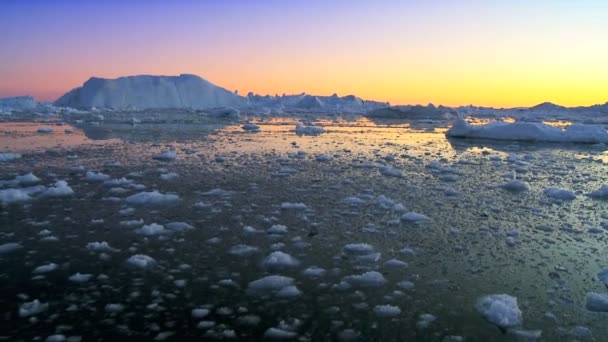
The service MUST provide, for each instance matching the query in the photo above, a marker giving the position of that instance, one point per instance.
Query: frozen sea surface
(372, 230)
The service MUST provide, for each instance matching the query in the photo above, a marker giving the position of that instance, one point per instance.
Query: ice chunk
(279, 334)
(601, 193)
(559, 194)
(32, 308)
(387, 310)
(413, 217)
(278, 229)
(243, 250)
(279, 260)
(99, 247)
(179, 226)
(141, 261)
(166, 155)
(9, 247)
(8, 196)
(45, 268)
(367, 279)
(289, 292)
(529, 131)
(358, 248)
(91, 176)
(8, 156)
(61, 189)
(308, 130)
(597, 302)
(26, 179)
(80, 277)
(296, 206)
(152, 229)
(500, 309)
(516, 186)
(200, 313)
(271, 283)
(152, 198)
(389, 171)
(314, 272)
(603, 276)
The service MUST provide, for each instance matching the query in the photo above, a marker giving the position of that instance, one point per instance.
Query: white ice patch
(367, 279)
(141, 261)
(179, 226)
(61, 189)
(413, 217)
(529, 131)
(597, 302)
(166, 155)
(152, 198)
(100, 247)
(152, 229)
(80, 277)
(516, 186)
(8, 156)
(32, 308)
(308, 130)
(500, 309)
(278, 229)
(387, 310)
(358, 248)
(269, 284)
(296, 206)
(8, 196)
(45, 268)
(91, 176)
(601, 193)
(389, 171)
(314, 272)
(559, 194)
(9, 247)
(279, 260)
(243, 250)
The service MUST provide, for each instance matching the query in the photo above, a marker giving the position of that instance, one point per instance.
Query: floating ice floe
(141, 261)
(61, 189)
(27, 179)
(152, 198)
(603, 276)
(179, 226)
(152, 229)
(277, 229)
(425, 320)
(413, 217)
(200, 313)
(32, 308)
(597, 302)
(501, 310)
(169, 176)
(601, 193)
(8, 156)
(367, 279)
(8, 196)
(387, 310)
(559, 194)
(166, 155)
(516, 186)
(243, 250)
(353, 201)
(279, 260)
(529, 131)
(358, 248)
(389, 171)
(100, 247)
(295, 206)
(9, 247)
(80, 277)
(279, 334)
(92, 176)
(314, 272)
(249, 127)
(45, 268)
(269, 284)
(308, 130)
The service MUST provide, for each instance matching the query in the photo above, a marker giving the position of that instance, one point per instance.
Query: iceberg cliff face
(18, 103)
(143, 92)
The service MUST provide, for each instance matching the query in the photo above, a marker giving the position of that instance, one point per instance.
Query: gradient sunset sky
(451, 52)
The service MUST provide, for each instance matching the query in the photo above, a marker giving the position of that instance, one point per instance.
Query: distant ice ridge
(529, 131)
(145, 91)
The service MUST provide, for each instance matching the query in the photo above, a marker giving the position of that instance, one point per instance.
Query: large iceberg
(144, 91)
(529, 131)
